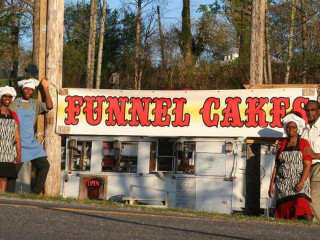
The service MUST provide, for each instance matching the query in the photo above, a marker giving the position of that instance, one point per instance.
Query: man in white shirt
(312, 134)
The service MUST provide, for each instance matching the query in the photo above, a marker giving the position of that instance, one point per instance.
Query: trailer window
(109, 157)
(119, 156)
(185, 155)
(79, 155)
(165, 155)
(128, 157)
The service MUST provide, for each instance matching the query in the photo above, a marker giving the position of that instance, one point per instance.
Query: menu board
(213, 164)
(186, 193)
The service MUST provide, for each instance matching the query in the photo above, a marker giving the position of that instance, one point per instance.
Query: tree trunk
(304, 41)
(292, 18)
(142, 60)
(36, 32)
(186, 35)
(15, 34)
(54, 73)
(268, 52)
(265, 77)
(137, 55)
(163, 58)
(141, 66)
(91, 44)
(101, 39)
(245, 33)
(257, 41)
(93, 47)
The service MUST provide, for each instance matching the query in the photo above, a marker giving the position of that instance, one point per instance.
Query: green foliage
(76, 34)
(118, 53)
(5, 38)
(222, 25)
(216, 35)
(210, 9)
(185, 35)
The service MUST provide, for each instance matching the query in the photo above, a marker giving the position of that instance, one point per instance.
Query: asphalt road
(25, 219)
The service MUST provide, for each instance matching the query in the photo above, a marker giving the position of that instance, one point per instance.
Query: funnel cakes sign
(198, 113)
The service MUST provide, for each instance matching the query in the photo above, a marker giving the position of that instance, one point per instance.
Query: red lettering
(231, 113)
(139, 111)
(93, 183)
(206, 110)
(73, 109)
(116, 111)
(298, 106)
(181, 119)
(256, 115)
(90, 110)
(280, 105)
(160, 112)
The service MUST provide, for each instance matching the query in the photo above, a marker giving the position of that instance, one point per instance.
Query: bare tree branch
(25, 10)
(13, 7)
(31, 4)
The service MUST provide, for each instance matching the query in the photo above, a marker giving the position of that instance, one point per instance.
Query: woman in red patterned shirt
(291, 173)
(10, 143)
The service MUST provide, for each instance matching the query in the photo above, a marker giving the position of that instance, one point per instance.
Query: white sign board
(198, 113)
(186, 192)
(211, 164)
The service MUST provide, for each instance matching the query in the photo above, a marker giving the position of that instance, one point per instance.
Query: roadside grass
(237, 216)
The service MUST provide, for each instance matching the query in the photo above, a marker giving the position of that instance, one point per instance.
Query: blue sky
(171, 9)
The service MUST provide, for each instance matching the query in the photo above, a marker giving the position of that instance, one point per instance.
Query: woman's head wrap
(8, 90)
(301, 124)
(30, 83)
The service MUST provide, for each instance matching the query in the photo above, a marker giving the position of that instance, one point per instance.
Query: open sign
(94, 187)
(94, 182)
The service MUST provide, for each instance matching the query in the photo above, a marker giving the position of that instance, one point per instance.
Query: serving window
(79, 155)
(185, 157)
(119, 156)
(162, 156)
(169, 155)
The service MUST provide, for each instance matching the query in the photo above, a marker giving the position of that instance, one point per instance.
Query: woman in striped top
(10, 143)
(290, 173)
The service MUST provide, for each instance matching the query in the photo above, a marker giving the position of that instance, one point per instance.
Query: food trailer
(185, 149)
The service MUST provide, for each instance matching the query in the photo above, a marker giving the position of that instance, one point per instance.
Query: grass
(199, 213)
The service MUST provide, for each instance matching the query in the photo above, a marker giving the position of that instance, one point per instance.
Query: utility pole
(54, 73)
(42, 61)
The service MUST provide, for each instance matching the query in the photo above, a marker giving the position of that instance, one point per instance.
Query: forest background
(139, 49)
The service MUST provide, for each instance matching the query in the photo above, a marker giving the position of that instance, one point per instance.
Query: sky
(170, 9)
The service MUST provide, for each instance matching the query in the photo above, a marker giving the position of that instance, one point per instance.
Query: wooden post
(54, 73)
(257, 41)
(42, 61)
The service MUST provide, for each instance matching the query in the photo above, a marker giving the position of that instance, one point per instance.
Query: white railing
(134, 200)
